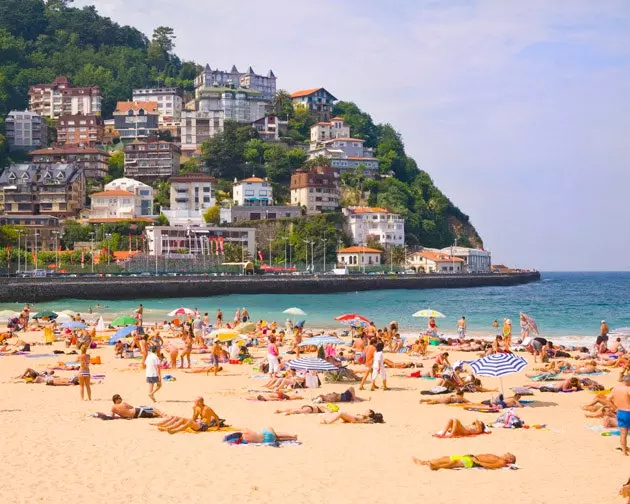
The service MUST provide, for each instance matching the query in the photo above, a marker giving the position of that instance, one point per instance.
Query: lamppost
(92, 249)
(312, 256)
(20, 231)
(56, 234)
(285, 239)
(324, 240)
(290, 254)
(36, 235)
(109, 237)
(270, 240)
(307, 242)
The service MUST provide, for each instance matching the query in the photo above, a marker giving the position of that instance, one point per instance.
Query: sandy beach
(56, 452)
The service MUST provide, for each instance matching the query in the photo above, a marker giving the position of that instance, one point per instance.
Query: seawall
(112, 288)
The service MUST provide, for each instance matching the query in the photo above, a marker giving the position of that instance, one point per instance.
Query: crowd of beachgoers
(297, 361)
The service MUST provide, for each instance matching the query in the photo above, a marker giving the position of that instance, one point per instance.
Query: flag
(9, 255)
(260, 256)
(221, 244)
(82, 258)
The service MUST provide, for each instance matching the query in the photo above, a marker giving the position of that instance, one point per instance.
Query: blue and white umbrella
(122, 333)
(312, 364)
(498, 365)
(74, 325)
(322, 341)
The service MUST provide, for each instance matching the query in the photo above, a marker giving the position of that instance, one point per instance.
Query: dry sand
(54, 452)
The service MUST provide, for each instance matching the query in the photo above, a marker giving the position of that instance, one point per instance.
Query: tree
(161, 195)
(212, 215)
(192, 165)
(116, 165)
(317, 162)
(8, 235)
(161, 220)
(282, 105)
(163, 37)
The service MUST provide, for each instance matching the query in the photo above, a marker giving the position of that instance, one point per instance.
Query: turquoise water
(562, 303)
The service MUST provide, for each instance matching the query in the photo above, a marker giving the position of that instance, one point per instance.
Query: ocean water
(563, 304)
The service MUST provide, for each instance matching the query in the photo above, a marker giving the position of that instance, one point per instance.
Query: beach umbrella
(429, 313)
(357, 323)
(68, 312)
(181, 311)
(123, 320)
(294, 311)
(245, 327)
(225, 334)
(8, 314)
(62, 318)
(620, 332)
(100, 324)
(498, 365)
(45, 314)
(312, 364)
(74, 325)
(531, 323)
(350, 317)
(122, 333)
(322, 341)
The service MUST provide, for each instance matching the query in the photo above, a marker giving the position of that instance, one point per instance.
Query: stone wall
(112, 288)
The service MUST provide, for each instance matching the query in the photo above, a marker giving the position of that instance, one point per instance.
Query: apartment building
(170, 102)
(191, 195)
(319, 101)
(136, 120)
(81, 130)
(93, 162)
(264, 84)
(151, 160)
(252, 191)
(364, 222)
(60, 97)
(25, 130)
(317, 190)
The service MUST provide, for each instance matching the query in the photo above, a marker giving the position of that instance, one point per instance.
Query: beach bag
(510, 420)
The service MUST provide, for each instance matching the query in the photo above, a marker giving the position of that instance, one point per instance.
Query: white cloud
(518, 110)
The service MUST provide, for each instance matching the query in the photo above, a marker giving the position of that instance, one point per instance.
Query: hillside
(40, 40)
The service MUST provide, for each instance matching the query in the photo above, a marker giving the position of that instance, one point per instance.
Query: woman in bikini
(307, 409)
(84, 374)
(487, 461)
(454, 428)
(364, 418)
(188, 343)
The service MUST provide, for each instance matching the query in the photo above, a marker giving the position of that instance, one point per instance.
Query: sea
(568, 306)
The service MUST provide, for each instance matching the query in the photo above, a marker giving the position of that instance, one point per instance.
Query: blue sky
(520, 111)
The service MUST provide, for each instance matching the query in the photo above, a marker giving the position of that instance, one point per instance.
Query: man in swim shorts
(347, 396)
(620, 397)
(126, 410)
(204, 418)
(487, 461)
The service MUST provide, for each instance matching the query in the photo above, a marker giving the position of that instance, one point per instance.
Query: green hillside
(41, 40)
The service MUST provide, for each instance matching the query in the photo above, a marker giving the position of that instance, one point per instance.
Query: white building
(61, 98)
(198, 126)
(178, 241)
(327, 130)
(170, 102)
(475, 260)
(116, 204)
(265, 84)
(270, 127)
(191, 195)
(142, 192)
(359, 257)
(26, 130)
(316, 190)
(387, 227)
(252, 191)
(434, 262)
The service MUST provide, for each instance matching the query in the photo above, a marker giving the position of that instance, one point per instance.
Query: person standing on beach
(219, 323)
(369, 361)
(272, 356)
(507, 334)
(139, 312)
(620, 397)
(244, 315)
(461, 328)
(188, 343)
(237, 316)
(153, 373)
(215, 356)
(378, 366)
(84, 374)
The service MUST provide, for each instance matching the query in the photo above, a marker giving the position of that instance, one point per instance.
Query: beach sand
(55, 452)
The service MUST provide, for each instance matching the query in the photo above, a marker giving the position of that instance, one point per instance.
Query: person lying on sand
(126, 410)
(568, 385)
(454, 428)
(291, 380)
(275, 396)
(608, 416)
(56, 381)
(600, 401)
(587, 368)
(501, 402)
(365, 418)
(456, 398)
(307, 409)
(333, 397)
(400, 365)
(267, 436)
(206, 370)
(204, 418)
(487, 461)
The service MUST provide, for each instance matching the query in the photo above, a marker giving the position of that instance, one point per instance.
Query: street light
(306, 263)
(109, 237)
(285, 239)
(312, 256)
(324, 240)
(36, 234)
(56, 235)
(92, 249)
(20, 231)
(270, 240)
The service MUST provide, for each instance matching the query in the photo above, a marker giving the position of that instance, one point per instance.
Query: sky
(519, 111)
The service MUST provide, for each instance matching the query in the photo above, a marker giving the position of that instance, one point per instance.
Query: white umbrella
(8, 314)
(429, 313)
(181, 311)
(63, 318)
(321, 341)
(294, 311)
(100, 325)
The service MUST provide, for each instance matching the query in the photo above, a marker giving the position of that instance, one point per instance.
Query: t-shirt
(152, 362)
(197, 325)
(369, 354)
(272, 349)
(234, 351)
(378, 360)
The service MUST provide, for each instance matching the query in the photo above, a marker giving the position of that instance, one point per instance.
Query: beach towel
(604, 431)
(277, 444)
(435, 391)
(482, 409)
(522, 390)
(511, 467)
(546, 377)
(103, 416)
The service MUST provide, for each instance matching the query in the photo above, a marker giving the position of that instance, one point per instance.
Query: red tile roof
(69, 149)
(358, 158)
(192, 177)
(126, 106)
(305, 92)
(359, 250)
(368, 210)
(436, 257)
(253, 179)
(347, 139)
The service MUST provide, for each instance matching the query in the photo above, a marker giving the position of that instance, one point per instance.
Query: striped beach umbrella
(498, 365)
(348, 317)
(322, 341)
(312, 364)
(74, 325)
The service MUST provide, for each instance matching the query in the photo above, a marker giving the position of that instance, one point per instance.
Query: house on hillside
(359, 257)
(428, 261)
(317, 100)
